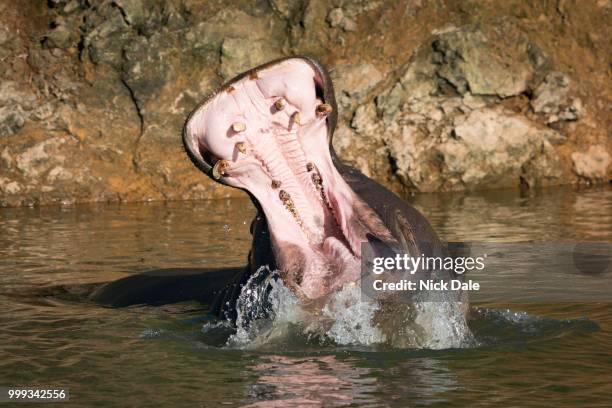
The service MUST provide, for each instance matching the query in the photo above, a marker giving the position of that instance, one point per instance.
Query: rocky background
(434, 95)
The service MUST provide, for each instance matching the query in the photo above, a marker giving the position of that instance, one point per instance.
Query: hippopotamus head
(269, 131)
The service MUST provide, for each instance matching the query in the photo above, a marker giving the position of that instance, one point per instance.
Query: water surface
(529, 354)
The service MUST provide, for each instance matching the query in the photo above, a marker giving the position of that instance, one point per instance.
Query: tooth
(279, 104)
(323, 109)
(241, 146)
(238, 127)
(296, 118)
(284, 196)
(309, 166)
(276, 184)
(288, 203)
(219, 168)
(318, 182)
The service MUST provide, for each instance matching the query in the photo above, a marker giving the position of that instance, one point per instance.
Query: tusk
(219, 168)
(323, 109)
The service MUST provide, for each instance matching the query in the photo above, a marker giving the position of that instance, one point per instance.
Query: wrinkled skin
(313, 211)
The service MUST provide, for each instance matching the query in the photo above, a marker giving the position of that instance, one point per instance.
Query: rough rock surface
(433, 96)
(592, 165)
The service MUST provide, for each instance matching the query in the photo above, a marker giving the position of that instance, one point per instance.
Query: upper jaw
(268, 131)
(324, 86)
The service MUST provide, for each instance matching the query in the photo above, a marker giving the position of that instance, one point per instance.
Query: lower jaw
(315, 268)
(315, 271)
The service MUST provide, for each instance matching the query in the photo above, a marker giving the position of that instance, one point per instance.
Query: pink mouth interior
(316, 227)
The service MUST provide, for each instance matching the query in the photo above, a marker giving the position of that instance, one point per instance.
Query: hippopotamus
(269, 132)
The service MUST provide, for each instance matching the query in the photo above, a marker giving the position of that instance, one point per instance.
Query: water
(527, 354)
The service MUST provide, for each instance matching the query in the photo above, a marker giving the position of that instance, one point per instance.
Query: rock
(240, 54)
(71, 7)
(592, 164)
(335, 16)
(58, 3)
(40, 157)
(4, 35)
(551, 93)
(59, 174)
(95, 111)
(105, 41)
(9, 187)
(356, 7)
(353, 82)
(470, 62)
(355, 148)
(15, 106)
(287, 8)
(416, 86)
(6, 159)
(232, 23)
(414, 156)
(550, 98)
(573, 112)
(11, 119)
(144, 69)
(365, 120)
(544, 169)
(490, 148)
(337, 19)
(134, 11)
(342, 141)
(59, 37)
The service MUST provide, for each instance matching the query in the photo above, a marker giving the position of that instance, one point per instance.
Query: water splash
(151, 334)
(266, 310)
(269, 314)
(443, 325)
(352, 319)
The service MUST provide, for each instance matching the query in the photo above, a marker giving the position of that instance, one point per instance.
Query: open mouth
(268, 131)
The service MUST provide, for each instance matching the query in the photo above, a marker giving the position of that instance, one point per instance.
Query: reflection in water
(285, 381)
(508, 216)
(423, 378)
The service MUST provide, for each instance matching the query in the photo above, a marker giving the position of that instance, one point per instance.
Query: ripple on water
(529, 355)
